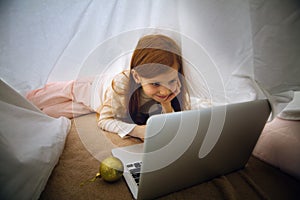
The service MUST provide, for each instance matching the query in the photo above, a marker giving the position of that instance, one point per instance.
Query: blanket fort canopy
(233, 51)
(245, 40)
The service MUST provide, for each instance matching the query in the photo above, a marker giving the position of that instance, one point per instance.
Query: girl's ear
(136, 76)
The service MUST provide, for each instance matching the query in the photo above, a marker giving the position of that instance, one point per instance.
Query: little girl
(154, 84)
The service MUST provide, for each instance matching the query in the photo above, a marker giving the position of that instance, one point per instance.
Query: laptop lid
(186, 148)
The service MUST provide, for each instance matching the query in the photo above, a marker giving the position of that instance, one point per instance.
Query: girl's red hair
(150, 51)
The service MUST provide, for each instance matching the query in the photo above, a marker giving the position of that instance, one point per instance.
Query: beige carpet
(86, 145)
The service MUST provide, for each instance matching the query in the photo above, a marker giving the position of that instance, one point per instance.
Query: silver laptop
(10, 95)
(182, 149)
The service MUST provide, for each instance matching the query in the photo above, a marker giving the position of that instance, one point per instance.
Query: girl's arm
(138, 132)
(110, 114)
(114, 109)
(167, 107)
(122, 128)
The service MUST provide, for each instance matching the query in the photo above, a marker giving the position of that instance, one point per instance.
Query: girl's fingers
(177, 91)
(171, 97)
(173, 94)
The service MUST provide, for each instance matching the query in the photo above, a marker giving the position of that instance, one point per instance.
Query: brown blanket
(86, 145)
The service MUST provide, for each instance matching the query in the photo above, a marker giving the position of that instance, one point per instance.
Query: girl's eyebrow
(159, 83)
(172, 80)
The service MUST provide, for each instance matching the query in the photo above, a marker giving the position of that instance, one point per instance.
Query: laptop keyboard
(135, 170)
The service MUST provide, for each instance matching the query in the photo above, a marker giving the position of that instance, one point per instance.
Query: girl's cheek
(149, 90)
(152, 91)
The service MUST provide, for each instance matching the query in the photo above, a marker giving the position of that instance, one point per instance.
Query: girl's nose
(164, 91)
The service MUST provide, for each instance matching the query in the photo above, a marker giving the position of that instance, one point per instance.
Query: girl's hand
(166, 105)
(138, 132)
(175, 92)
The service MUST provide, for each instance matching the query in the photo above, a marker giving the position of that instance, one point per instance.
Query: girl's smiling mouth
(162, 97)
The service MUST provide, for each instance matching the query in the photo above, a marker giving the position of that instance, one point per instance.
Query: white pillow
(30, 146)
(292, 110)
(279, 145)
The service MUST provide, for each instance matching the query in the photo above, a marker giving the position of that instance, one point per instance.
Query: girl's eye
(155, 84)
(173, 81)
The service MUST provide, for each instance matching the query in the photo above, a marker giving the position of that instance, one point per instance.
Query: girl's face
(160, 87)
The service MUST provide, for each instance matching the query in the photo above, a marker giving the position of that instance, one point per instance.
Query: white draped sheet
(242, 40)
(233, 50)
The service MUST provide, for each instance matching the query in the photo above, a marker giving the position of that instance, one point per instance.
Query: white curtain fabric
(276, 50)
(233, 50)
(234, 42)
